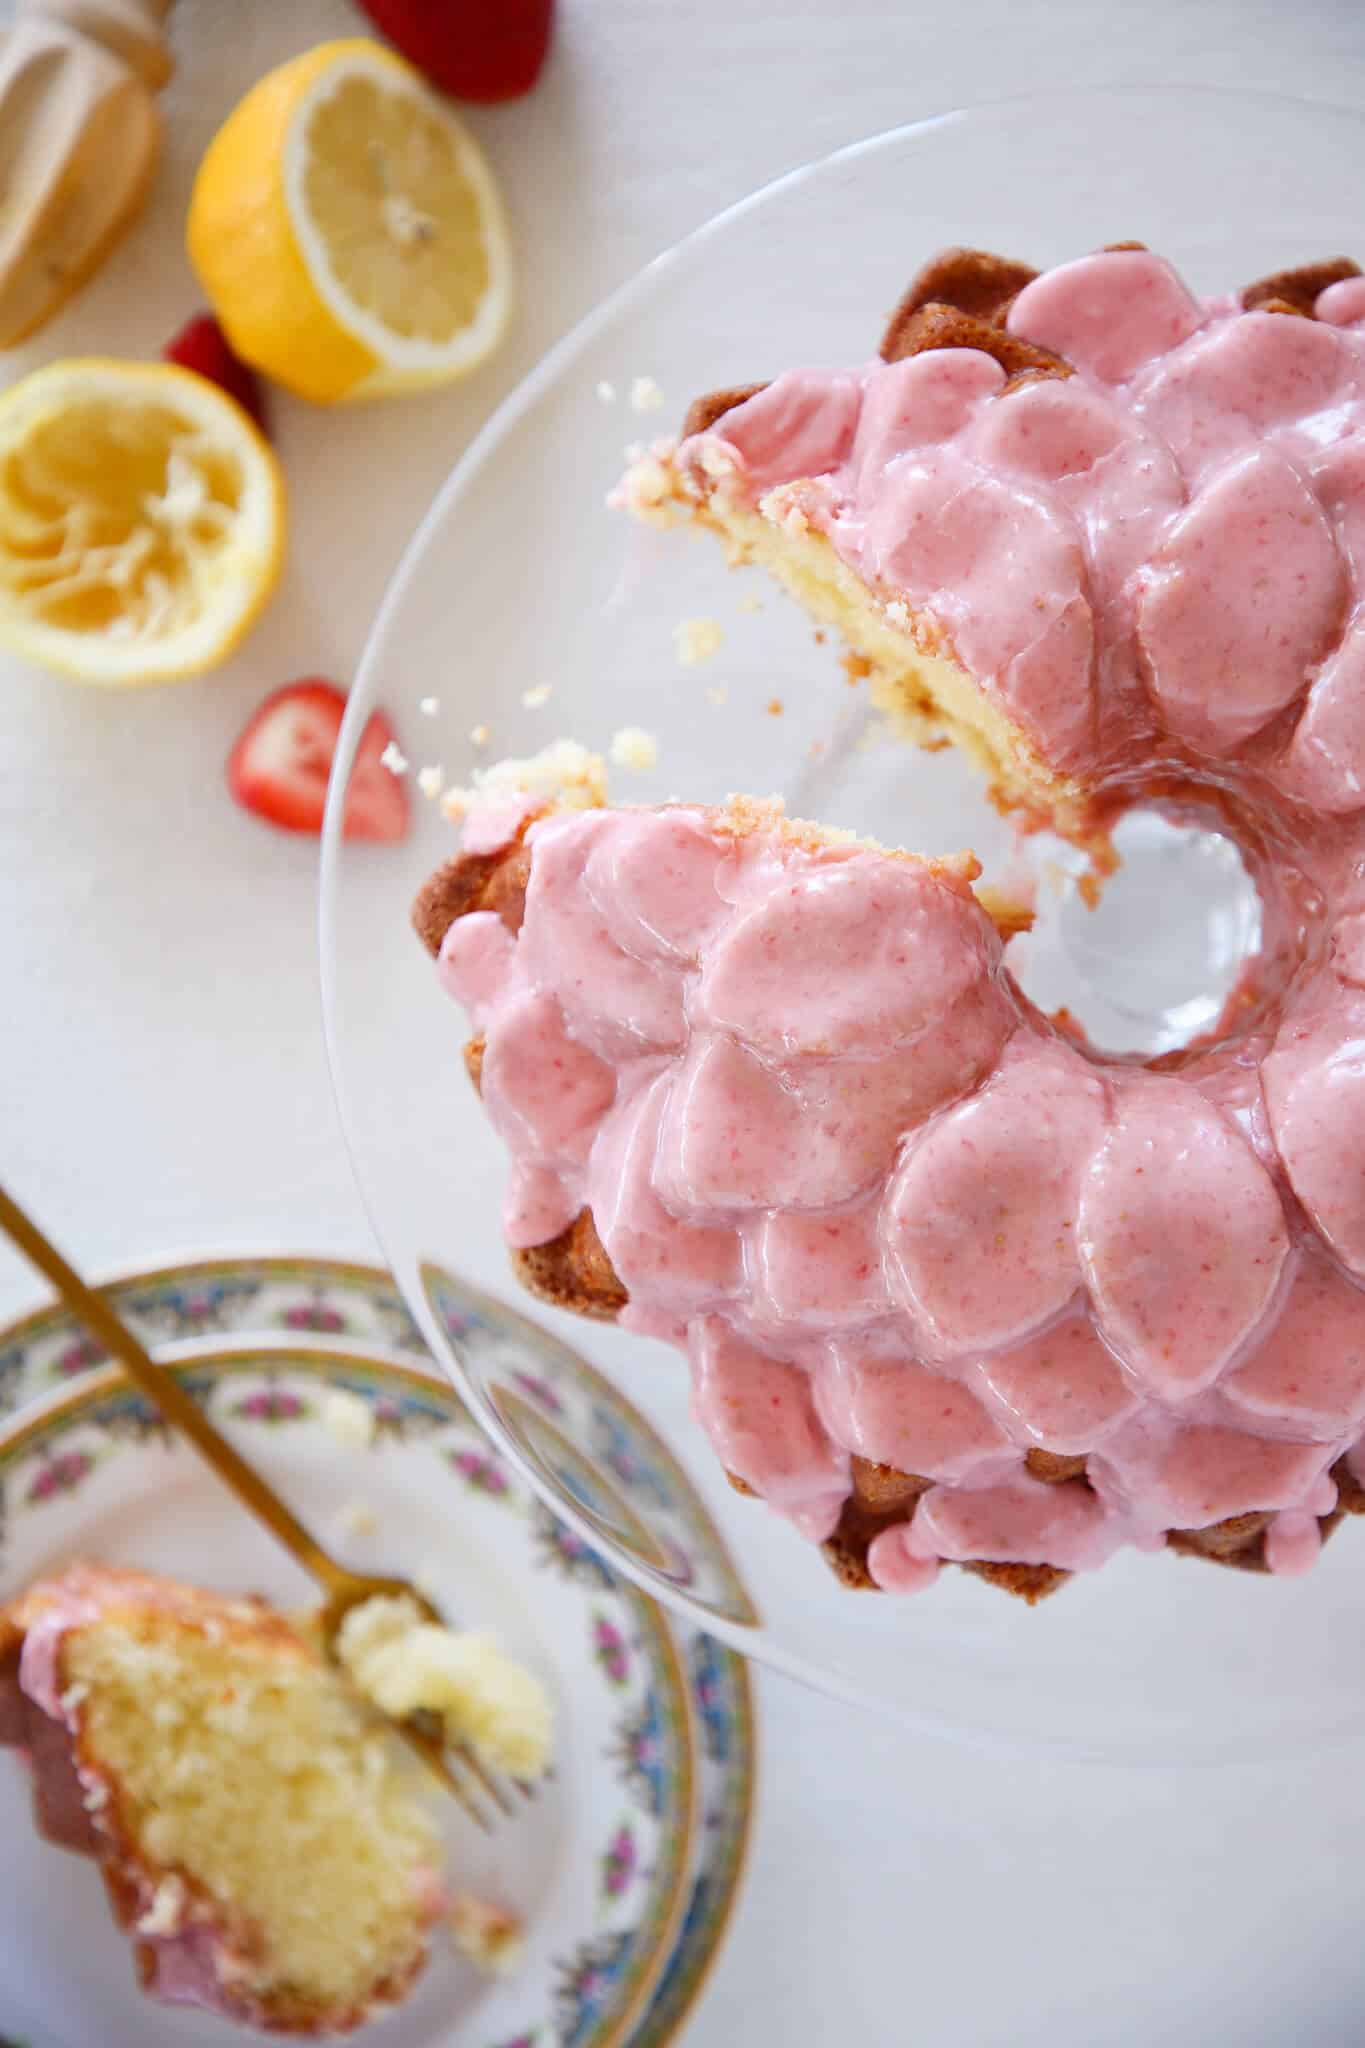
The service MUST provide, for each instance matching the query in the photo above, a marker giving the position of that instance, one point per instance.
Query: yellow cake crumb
(491, 1936)
(534, 698)
(406, 1664)
(348, 1419)
(357, 1518)
(634, 748)
(430, 781)
(564, 773)
(697, 640)
(167, 1909)
(645, 395)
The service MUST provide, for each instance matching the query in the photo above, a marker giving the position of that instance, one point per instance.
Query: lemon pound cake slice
(254, 1823)
(1026, 514)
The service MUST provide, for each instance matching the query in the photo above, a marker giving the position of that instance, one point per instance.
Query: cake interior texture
(261, 1836)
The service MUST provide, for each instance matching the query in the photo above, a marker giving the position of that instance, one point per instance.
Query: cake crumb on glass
(394, 759)
(646, 489)
(535, 697)
(717, 694)
(490, 1936)
(774, 707)
(634, 748)
(348, 1419)
(479, 736)
(429, 706)
(645, 395)
(564, 773)
(697, 640)
(606, 390)
(751, 602)
(430, 781)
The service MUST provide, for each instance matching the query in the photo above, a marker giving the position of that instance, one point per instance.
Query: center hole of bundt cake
(1151, 966)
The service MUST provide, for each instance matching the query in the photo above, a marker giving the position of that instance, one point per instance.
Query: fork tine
(434, 1756)
(471, 1761)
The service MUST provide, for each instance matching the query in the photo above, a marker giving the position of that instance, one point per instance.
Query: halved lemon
(142, 521)
(347, 229)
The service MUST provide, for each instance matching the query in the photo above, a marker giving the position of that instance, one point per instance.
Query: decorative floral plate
(358, 1310)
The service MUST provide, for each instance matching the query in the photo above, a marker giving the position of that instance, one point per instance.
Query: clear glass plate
(520, 577)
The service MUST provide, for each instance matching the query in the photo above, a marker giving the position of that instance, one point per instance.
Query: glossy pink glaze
(886, 1209)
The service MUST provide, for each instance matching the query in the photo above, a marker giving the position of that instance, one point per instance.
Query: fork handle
(165, 1392)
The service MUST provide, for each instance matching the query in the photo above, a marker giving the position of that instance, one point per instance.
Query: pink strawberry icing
(887, 1210)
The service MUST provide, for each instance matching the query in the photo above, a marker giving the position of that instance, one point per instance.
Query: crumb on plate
(490, 1936)
(348, 1419)
(697, 640)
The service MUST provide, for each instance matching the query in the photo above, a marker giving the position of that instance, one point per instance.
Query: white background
(163, 1087)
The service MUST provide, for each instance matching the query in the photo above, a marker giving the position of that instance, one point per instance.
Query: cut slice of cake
(791, 476)
(262, 1838)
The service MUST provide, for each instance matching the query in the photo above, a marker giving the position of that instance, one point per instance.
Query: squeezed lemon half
(142, 521)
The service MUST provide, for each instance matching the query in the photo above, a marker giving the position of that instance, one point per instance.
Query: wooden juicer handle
(79, 131)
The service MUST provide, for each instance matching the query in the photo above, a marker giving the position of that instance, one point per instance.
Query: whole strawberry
(475, 49)
(202, 345)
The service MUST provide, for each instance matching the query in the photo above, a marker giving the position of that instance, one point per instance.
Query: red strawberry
(280, 765)
(202, 345)
(476, 49)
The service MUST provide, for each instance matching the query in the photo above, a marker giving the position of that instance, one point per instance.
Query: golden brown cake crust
(703, 412)
(973, 280)
(939, 326)
(1295, 291)
(573, 1271)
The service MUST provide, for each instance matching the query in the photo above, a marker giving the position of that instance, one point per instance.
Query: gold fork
(342, 1588)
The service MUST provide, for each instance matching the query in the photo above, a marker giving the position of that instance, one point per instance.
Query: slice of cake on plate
(265, 1843)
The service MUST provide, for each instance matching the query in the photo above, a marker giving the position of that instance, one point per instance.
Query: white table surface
(163, 1086)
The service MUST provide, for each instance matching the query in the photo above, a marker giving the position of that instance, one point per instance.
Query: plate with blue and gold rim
(653, 1854)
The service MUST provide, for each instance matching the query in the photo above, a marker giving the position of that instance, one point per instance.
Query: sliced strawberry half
(476, 49)
(280, 765)
(202, 346)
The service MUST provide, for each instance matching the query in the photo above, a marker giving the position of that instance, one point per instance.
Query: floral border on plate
(603, 1985)
(304, 1296)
